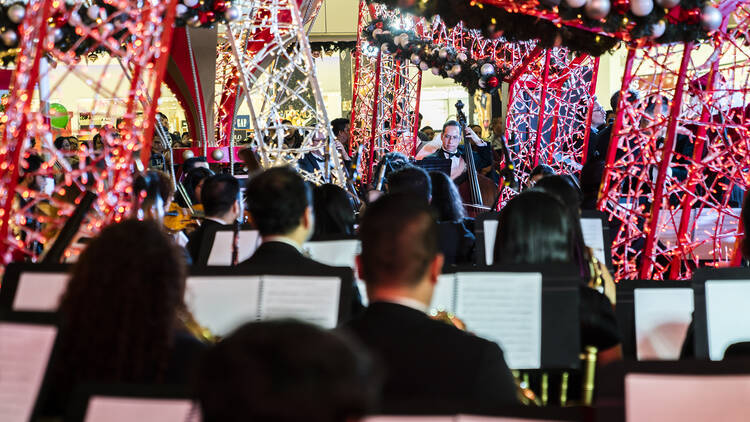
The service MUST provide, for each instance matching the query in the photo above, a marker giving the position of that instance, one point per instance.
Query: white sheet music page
(126, 409)
(507, 309)
(337, 253)
(408, 419)
(442, 296)
(221, 251)
(727, 315)
(24, 353)
(662, 317)
(40, 292)
(593, 237)
(474, 418)
(490, 233)
(223, 303)
(694, 398)
(307, 298)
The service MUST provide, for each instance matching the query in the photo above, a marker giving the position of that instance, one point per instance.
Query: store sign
(239, 136)
(242, 121)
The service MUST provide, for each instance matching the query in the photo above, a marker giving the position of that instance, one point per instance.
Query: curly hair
(119, 312)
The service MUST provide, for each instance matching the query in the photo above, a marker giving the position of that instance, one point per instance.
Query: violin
(177, 218)
(477, 190)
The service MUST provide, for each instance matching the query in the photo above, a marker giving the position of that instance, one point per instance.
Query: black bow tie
(451, 154)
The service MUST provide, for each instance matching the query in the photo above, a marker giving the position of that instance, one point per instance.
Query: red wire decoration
(678, 161)
(125, 85)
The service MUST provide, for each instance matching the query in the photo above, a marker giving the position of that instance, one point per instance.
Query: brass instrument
(200, 332)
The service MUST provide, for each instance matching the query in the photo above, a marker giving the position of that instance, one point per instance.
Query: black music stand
(442, 165)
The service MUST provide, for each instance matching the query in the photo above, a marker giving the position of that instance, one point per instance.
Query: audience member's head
(220, 197)
(194, 162)
(280, 202)
(399, 247)
(429, 131)
(498, 126)
(411, 180)
(446, 201)
(538, 172)
(334, 213)
(632, 96)
(120, 309)
(451, 136)
(390, 163)
(534, 228)
(340, 129)
(193, 183)
(62, 143)
(285, 371)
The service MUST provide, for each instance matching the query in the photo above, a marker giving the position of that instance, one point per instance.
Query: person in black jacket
(456, 241)
(220, 196)
(451, 149)
(280, 204)
(425, 361)
(122, 316)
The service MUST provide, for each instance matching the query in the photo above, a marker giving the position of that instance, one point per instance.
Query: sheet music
(310, 299)
(442, 296)
(727, 314)
(221, 250)
(507, 309)
(490, 233)
(694, 398)
(474, 418)
(24, 353)
(223, 303)
(40, 292)
(662, 317)
(126, 409)
(338, 253)
(593, 237)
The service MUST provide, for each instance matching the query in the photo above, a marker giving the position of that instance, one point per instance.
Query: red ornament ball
(220, 6)
(207, 17)
(60, 20)
(493, 82)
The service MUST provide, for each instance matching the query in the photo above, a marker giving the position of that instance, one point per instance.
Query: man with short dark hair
(280, 204)
(220, 196)
(425, 360)
(411, 180)
(452, 150)
(194, 162)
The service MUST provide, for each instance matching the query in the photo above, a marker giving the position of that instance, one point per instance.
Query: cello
(477, 190)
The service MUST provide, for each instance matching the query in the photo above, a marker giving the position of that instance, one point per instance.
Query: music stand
(442, 165)
(12, 277)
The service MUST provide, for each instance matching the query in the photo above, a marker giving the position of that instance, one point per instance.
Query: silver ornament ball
(232, 14)
(657, 29)
(482, 83)
(181, 9)
(641, 7)
(710, 19)
(10, 38)
(462, 57)
(217, 154)
(575, 4)
(194, 21)
(487, 69)
(92, 12)
(597, 9)
(667, 4)
(16, 13)
(190, 3)
(58, 34)
(188, 154)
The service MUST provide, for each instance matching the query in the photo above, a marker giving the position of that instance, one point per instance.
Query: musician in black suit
(280, 203)
(220, 197)
(451, 149)
(425, 361)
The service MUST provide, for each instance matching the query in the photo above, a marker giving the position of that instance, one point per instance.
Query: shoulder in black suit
(308, 163)
(197, 237)
(427, 361)
(456, 242)
(279, 257)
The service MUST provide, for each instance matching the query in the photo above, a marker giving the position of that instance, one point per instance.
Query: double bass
(477, 190)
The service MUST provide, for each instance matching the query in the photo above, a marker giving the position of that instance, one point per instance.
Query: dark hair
(746, 224)
(191, 181)
(411, 180)
(534, 228)
(632, 97)
(592, 174)
(392, 161)
(33, 163)
(451, 123)
(59, 141)
(542, 169)
(219, 193)
(339, 125)
(192, 162)
(277, 200)
(334, 212)
(153, 183)
(446, 201)
(399, 240)
(97, 139)
(425, 128)
(120, 309)
(260, 373)
(162, 115)
(653, 100)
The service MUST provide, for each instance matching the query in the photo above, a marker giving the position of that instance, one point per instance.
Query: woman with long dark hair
(121, 316)
(334, 212)
(537, 228)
